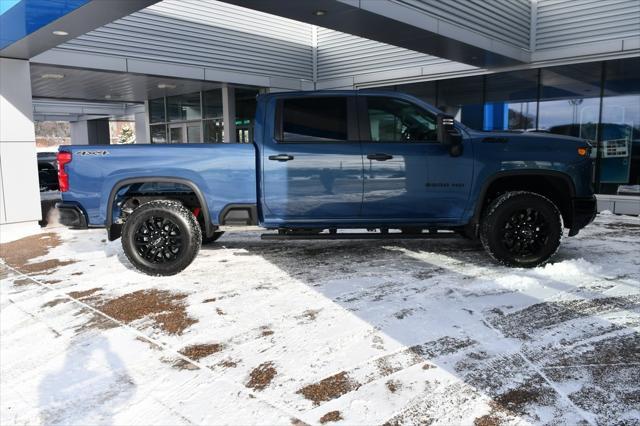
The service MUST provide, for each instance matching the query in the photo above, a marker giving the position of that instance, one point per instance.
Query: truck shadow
(564, 336)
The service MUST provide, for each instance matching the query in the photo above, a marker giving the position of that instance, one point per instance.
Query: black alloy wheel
(521, 228)
(158, 240)
(525, 232)
(161, 237)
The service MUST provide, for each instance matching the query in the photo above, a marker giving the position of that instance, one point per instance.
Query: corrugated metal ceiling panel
(564, 23)
(207, 33)
(341, 55)
(505, 20)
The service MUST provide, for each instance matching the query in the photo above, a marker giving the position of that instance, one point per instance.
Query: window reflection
(572, 117)
(462, 98)
(198, 117)
(570, 100)
(619, 170)
(510, 102)
(156, 111)
(213, 131)
(159, 133)
(245, 113)
(184, 107)
(426, 91)
(567, 100)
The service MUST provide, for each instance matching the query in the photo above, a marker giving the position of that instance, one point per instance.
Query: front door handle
(281, 157)
(379, 157)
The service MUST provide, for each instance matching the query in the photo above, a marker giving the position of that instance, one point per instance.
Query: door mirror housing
(449, 135)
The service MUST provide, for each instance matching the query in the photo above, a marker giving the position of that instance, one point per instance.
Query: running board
(360, 236)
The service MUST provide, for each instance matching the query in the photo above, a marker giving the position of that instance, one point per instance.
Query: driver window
(396, 120)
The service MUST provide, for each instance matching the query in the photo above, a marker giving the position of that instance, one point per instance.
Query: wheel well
(126, 196)
(555, 187)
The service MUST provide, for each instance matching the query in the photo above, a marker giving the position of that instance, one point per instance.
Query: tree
(126, 135)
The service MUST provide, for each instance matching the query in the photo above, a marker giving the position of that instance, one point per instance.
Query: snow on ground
(358, 332)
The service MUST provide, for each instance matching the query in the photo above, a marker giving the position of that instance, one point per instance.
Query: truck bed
(224, 173)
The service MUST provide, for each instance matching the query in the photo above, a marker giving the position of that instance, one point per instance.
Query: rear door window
(314, 119)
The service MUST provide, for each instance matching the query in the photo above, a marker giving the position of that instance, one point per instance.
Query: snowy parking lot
(354, 332)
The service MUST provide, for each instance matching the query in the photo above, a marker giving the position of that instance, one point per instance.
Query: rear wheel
(161, 237)
(521, 229)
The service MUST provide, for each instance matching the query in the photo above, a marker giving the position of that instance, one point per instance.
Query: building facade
(189, 70)
(598, 101)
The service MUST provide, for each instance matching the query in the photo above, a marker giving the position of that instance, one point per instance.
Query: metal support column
(19, 188)
(229, 113)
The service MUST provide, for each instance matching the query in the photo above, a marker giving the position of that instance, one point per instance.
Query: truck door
(312, 164)
(408, 175)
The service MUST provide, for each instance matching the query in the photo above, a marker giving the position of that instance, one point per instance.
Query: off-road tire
(498, 232)
(184, 226)
(213, 238)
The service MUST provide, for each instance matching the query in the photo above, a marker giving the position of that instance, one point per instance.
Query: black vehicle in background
(48, 171)
(48, 181)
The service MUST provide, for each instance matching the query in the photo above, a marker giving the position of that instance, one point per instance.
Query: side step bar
(360, 236)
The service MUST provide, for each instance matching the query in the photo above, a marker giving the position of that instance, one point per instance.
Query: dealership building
(189, 71)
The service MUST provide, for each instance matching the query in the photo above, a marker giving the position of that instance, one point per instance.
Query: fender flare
(475, 219)
(113, 230)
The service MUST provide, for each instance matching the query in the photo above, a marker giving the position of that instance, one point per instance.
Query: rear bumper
(72, 216)
(584, 211)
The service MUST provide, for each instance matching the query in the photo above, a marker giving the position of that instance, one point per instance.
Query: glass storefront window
(576, 117)
(198, 117)
(212, 103)
(245, 113)
(184, 107)
(462, 98)
(425, 91)
(193, 132)
(213, 131)
(511, 100)
(158, 133)
(570, 100)
(619, 163)
(156, 111)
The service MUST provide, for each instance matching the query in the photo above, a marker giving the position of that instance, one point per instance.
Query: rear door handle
(379, 157)
(281, 157)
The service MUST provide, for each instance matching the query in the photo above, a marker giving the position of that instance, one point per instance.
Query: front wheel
(521, 229)
(161, 237)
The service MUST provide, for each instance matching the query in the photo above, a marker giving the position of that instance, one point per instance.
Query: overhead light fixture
(166, 86)
(53, 76)
(60, 33)
(107, 96)
(319, 12)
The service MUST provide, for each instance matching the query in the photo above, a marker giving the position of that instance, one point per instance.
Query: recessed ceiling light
(53, 76)
(107, 96)
(319, 12)
(60, 33)
(166, 86)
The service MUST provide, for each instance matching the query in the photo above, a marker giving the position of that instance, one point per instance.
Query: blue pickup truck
(326, 163)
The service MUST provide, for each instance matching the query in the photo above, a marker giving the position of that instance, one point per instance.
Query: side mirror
(449, 135)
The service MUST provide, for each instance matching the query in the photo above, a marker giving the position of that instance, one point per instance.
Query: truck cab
(326, 161)
(352, 158)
